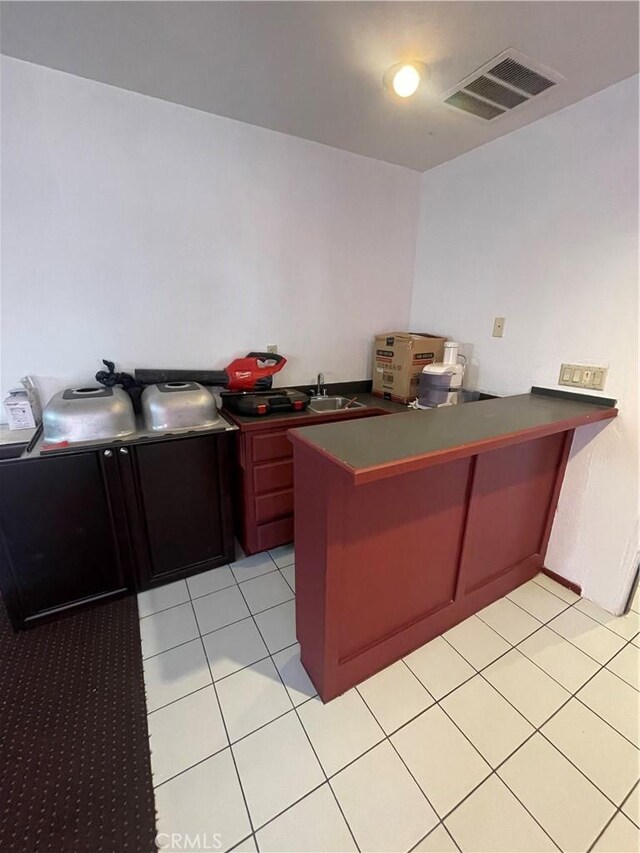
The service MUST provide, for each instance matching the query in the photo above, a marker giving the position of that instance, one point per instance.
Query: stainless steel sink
(333, 404)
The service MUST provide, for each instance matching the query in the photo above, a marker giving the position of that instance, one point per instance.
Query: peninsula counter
(406, 525)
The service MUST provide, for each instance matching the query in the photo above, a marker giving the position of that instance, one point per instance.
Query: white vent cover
(501, 85)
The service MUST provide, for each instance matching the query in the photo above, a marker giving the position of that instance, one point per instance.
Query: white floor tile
(219, 609)
(438, 841)
(382, 803)
(252, 567)
(615, 701)
(266, 591)
(278, 626)
(625, 626)
(153, 600)
(603, 755)
(167, 629)
(234, 647)
(289, 574)
(185, 732)
(510, 621)
(277, 767)
(252, 697)
(204, 800)
(341, 730)
(559, 658)
(626, 665)
(491, 724)
(298, 684)
(537, 601)
(315, 823)
(563, 801)
(556, 588)
(439, 667)
(588, 635)
(174, 674)
(394, 696)
(211, 581)
(492, 820)
(631, 806)
(441, 759)
(476, 642)
(621, 836)
(529, 689)
(283, 556)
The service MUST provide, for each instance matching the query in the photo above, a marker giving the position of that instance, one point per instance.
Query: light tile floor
(515, 731)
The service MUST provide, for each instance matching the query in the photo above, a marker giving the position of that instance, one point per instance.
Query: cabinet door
(63, 539)
(184, 506)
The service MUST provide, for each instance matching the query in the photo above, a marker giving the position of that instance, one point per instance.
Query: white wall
(161, 236)
(541, 227)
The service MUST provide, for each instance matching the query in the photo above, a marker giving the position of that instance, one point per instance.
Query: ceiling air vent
(502, 84)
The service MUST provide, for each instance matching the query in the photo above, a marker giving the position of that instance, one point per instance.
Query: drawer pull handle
(124, 451)
(108, 453)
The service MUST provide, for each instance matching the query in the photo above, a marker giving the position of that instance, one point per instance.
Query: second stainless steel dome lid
(178, 405)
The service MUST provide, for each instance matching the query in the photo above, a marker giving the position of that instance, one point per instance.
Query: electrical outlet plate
(272, 348)
(583, 376)
(498, 327)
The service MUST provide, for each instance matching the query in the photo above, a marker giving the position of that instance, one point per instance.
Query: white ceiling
(314, 69)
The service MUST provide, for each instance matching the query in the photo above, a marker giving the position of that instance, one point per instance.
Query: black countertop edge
(349, 386)
(358, 386)
(605, 402)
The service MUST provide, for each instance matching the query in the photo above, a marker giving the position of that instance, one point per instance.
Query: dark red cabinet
(264, 477)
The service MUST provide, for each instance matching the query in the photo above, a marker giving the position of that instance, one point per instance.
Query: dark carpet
(75, 772)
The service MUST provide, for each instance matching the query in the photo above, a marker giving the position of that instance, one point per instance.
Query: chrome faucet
(320, 391)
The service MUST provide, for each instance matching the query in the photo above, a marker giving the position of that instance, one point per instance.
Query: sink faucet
(320, 391)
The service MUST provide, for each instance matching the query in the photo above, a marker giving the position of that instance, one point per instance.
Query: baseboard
(574, 587)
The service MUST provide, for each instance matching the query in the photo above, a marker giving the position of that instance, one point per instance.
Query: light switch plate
(498, 327)
(272, 348)
(583, 376)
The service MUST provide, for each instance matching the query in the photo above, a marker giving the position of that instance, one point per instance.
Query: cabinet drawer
(275, 505)
(276, 533)
(273, 445)
(273, 476)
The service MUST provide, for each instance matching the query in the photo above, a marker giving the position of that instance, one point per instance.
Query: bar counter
(407, 524)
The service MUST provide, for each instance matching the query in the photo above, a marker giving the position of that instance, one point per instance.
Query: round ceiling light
(404, 78)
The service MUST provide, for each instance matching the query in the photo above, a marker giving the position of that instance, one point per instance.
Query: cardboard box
(398, 359)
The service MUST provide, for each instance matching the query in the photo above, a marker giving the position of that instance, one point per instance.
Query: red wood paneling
(272, 476)
(509, 506)
(401, 550)
(275, 505)
(385, 566)
(273, 534)
(271, 445)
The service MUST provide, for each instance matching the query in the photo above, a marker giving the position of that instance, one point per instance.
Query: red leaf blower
(255, 371)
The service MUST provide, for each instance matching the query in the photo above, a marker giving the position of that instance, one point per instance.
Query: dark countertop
(376, 447)
(291, 419)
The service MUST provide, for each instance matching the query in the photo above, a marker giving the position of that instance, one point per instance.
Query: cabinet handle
(108, 453)
(124, 451)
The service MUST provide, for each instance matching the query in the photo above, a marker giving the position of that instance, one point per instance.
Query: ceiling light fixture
(404, 78)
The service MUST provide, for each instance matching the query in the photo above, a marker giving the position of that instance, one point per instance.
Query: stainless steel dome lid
(169, 406)
(85, 414)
